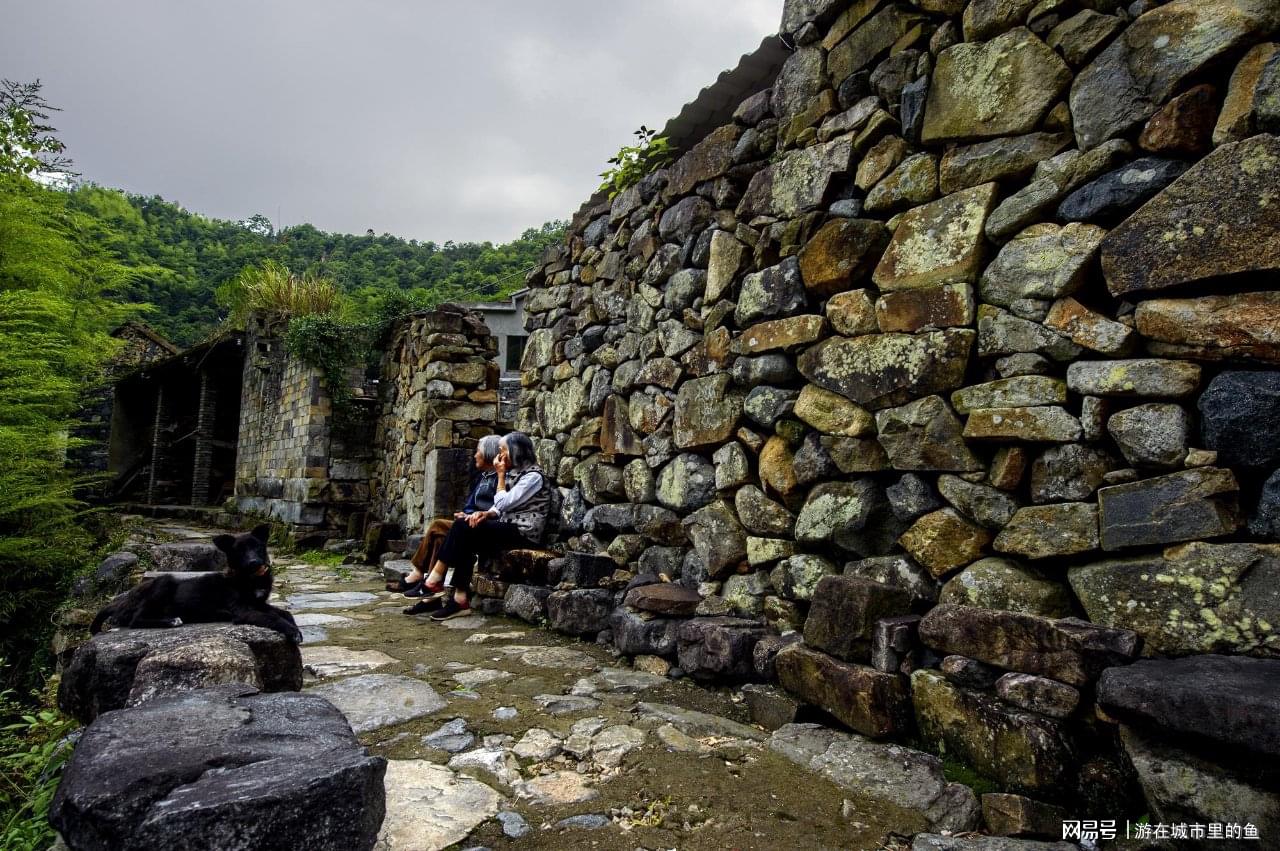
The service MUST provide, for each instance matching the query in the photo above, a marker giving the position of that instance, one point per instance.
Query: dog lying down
(238, 595)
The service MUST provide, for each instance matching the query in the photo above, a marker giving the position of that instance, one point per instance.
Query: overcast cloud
(430, 120)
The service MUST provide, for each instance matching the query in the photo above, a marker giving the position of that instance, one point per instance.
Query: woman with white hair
(516, 521)
(430, 587)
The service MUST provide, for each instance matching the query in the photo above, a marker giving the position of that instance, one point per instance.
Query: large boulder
(1219, 701)
(717, 538)
(1236, 326)
(938, 243)
(844, 612)
(1069, 650)
(706, 413)
(1213, 222)
(105, 671)
(1023, 751)
(223, 768)
(1001, 583)
(1151, 59)
(719, 648)
(581, 611)
(642, 634)
(1192, 598)
(874, 703)
(798, 182)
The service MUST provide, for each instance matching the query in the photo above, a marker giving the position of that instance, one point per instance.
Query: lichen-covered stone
(1138, 72)
(873, 37)
(998, 159)
(797, 576)
(1016, 392)
(874, 703)
(900, 572)
(880, 370)
(780, 334)
(1021, 750)
(1214, 221)
(983, 504)
(706, 412)
(717, 537)
(1044, 262)
(831, 413)
(834, 507)
(761, 515)
(1224, 327)
(1184, 125)
(924, 435)
(1197, 503)
(1068, 650)
(943, 540)
(913, 182)
(842, 254)
(965, 103)
(939, 243)
(943, 306)
(1001, 583)
(851, 313)
(1045, 423)
(686, 483)
(1192, 598)
(1002, 333)
(1152, 435)
(776, 291)
(798, 182)
(1117, 193)
(1038, 694)
(1070, 472)
(1141, 377)
(1043, 531)
(1089, 328)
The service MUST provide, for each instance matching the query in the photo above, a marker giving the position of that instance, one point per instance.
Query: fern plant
(650, 152)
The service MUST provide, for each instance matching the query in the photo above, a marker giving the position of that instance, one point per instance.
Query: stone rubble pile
(939, 382)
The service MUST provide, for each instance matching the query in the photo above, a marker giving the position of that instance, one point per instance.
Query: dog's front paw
(175, 621)
(295, 636)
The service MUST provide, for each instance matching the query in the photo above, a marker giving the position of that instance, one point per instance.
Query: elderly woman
(516, 521)
(416, 584)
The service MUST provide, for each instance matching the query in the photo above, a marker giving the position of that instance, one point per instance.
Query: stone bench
(224, 768)
(128, 666)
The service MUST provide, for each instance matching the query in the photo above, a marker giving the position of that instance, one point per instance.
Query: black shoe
(426, 604)
(451, 609)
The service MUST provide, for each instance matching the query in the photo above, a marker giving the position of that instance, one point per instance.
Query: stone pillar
(157, 445)
(205, 415)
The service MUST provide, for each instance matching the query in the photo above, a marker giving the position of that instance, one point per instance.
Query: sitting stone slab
(521, 566)
(107, 671)
(222, 768)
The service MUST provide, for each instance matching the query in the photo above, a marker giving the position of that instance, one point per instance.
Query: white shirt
(506, 501)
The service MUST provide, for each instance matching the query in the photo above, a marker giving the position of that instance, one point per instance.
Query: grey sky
(429, 120)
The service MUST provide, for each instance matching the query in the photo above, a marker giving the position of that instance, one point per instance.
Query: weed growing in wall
(633, 162)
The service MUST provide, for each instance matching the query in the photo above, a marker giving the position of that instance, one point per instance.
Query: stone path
(501, 735)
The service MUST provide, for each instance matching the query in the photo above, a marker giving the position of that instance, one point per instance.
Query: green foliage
(322, 558)
(272, 288)
(332, 346)
(58, 294)
(633, 162)
(27, 144)
(32, 752)
(187, 264)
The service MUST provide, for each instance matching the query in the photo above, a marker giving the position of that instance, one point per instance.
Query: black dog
(239, 595)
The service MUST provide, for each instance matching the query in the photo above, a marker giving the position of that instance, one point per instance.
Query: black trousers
(465, 543)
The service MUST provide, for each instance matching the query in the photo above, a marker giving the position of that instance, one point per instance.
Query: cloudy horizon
(430, 121)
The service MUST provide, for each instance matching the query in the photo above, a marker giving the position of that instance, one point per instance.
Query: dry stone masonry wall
(941, 379)
(439, 395)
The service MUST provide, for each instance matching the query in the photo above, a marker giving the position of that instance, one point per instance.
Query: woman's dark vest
(486, 488)
(531, 516)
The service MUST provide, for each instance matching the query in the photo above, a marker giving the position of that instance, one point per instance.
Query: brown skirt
(429, 549)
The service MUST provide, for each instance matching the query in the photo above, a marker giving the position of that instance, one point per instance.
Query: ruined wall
(439, 395)
(296, 461)
(402, 450)
(973, 316)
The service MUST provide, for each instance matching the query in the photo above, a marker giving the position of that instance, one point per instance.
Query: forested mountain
(183, 259)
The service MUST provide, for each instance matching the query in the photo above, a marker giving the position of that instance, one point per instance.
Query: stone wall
(972, 316)
(295, 460)
(439, 395)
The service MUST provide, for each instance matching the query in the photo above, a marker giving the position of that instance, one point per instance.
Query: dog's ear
(224, 542)
(262, 532)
